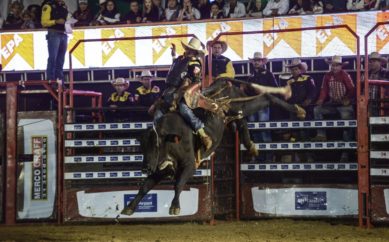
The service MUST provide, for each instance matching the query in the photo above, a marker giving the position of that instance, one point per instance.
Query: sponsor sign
(148, 204)
(302, 201)
(311, 201)
(39, 168)
(17, 48)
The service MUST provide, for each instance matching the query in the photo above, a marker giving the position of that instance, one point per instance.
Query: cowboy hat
(377, 56)
(336, 60)
(297, 62)
(102, 1)
(146, 73)
(222, 43)
(120, 81)
(258, 56)
(83, 1)
(194, 44)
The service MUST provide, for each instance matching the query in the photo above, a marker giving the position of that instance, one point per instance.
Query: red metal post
(10, 173)
(237, 175)
(60, 155)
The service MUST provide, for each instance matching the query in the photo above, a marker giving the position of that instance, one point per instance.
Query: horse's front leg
(182, 179)
(150, 182)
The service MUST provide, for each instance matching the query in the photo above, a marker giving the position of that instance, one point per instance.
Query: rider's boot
(207, 141)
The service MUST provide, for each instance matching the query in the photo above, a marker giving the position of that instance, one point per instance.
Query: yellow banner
(271, 40)
(79, 52)
(234, 42)
(21, 44)
(160, 46)
(326, 36)
(382, 32)
(127, 47)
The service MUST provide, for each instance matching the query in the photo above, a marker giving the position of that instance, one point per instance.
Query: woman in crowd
(83, 14)
(150, 12)
(216, 12)
(27, 20)
(109, 15)
(301, 7)
(161, 9)
(135, 15)
(204, 7)
(188, 12)
(35, 12)
(172, 10)
(14, 19)
(255, 8)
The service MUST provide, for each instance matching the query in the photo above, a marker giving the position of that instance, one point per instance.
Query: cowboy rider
(186, 70)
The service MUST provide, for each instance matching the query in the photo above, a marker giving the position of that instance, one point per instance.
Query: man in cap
(120, 99)
(54, 15)
(376, 72)
(264, 77)
(146, 94)
(336, 95)
(186, 70)
(303, 93)
(221, 65)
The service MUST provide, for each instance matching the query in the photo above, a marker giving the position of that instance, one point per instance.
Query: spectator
(35, 12)
(336, 94)
(334, 6)
(14, 19)
(276, 8)
(255, 8)
(205, 9)
(355, 5)
(119, 99)
(109, 15)
(150, 12)
(234, 9)
(134, 16)
(221, 65)
(102, 8)
(316, 7)
(216, 12)
(372, 4)
(83, 14)
(54, 15)
(221, 3)
(261, 76)
(301, 7)
(172, 10)
(146, 94)
(376, 72)
(27, 20)
(384, 5)
(161, 9)
(303, 93)
(188, 12)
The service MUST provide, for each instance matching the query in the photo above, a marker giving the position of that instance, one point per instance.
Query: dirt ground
(261, 230)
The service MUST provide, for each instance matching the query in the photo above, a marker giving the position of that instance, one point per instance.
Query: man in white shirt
(234, 9)
(276, 7)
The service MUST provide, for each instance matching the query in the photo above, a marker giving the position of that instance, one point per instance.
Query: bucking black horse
(170, 148)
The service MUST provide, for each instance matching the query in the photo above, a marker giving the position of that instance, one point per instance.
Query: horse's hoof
(174, 211)
(127, 211)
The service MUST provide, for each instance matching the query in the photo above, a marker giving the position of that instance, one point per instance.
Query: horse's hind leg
(149, 183)
(182, 179)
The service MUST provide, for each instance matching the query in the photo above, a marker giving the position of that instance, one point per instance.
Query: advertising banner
(312, 201)
(28, 50)
(155, 204)
(36, 186)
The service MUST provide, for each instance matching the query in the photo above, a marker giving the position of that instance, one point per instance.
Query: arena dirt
(261, 230)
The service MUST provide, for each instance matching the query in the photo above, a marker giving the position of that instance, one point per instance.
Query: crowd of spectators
(144, 11)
